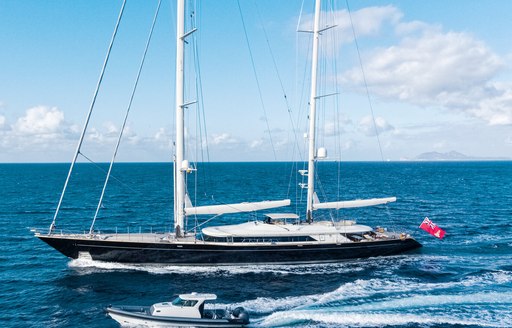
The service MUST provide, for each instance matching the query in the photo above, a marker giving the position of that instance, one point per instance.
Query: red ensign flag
(432, 228)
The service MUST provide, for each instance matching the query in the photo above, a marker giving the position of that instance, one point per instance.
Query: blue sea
(464, 280)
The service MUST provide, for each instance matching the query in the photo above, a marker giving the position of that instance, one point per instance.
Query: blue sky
(438, 74)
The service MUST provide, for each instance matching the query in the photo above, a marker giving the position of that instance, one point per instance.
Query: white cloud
(369, 21)
(3, 123)
(162, 134)
(348, 145)
(41, 132)
(255, 144)
(111, 129)
(429, 67)
(408, 28)
(336, 126)
(495, 106)
(366, 21)
(331, 129)
(162, 138)
(94, 135)
(222, 139)
(369, 128)
(109, 134)
(284, 144)
(131, 135)
(263, 145)
(40, 120)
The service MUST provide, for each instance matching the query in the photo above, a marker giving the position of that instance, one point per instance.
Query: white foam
(419, 301)
(350, 319)
(358, 289)
(95, 266)
(267, 305)
(485, 238)
(384, 264)
(306, 269)
(397, 293)
(363, 302)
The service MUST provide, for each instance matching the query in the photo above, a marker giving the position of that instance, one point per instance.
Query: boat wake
(354, 319)
(382, 298)
(380, 302)
(91, 266)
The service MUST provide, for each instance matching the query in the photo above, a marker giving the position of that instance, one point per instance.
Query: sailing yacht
(281, 238)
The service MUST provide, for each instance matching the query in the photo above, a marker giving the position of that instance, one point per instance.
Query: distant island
(454, 156)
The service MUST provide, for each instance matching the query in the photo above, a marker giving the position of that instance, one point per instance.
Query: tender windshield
(180, 302)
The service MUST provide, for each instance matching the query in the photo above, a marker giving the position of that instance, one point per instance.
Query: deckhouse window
(255, 239)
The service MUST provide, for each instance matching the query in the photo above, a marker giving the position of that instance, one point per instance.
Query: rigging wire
(201, 127)
(303, 104)
(337, 115)
(257, 80)
(105, 171)
(202, 144)
(203, 223)
(125, 117)
(201, 110)
(368, 96)
(364, 79)
(285, 96)
(82, 135)
(337, 130)
(287, 103)
(193, 24)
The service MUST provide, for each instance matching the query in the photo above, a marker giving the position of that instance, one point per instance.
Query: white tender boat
(186, 310)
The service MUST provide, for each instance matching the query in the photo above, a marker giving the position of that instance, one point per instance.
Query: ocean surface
(464, 280)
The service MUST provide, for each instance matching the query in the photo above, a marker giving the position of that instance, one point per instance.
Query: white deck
(277, 229)
(256, 232)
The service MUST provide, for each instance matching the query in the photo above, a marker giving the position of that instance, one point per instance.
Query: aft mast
(312, 114)
(179, 173)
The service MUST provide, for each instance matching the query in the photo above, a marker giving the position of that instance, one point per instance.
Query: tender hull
(211, 253)
(139, 316)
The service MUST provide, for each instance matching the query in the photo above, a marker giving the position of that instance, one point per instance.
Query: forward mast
(312, 115)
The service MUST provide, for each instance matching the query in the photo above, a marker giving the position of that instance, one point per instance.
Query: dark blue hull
(202, 253)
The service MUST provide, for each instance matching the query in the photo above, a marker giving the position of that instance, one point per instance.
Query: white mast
(312, 114)
(179, 174)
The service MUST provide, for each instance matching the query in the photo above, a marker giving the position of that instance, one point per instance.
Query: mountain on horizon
(452, 156)
(437, 156)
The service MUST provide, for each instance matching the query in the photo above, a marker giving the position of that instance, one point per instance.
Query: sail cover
(236, 208)
(354, 203)
(277, 216)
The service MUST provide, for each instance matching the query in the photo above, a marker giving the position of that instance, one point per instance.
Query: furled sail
(236, 208)
(354, 203)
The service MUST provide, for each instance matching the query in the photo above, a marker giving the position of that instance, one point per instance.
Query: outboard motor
(239, 315)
